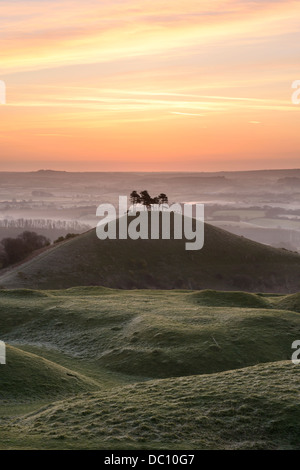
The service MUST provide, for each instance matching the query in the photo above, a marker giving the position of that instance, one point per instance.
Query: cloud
(187, 114)
(50, 34)
(123, 77)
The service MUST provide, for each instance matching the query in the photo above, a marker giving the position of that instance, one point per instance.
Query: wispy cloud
(49, 34)
(122, 78)
(187, 114)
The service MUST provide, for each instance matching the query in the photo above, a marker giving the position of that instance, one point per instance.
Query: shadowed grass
(252, 408)
(226, 262)
(214, 298)
(27, 377)
(290, 302)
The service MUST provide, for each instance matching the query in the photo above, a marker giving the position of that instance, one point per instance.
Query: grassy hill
(94, 367)
(252, 408)
(226, 262)
(290, 302)
(152, 333)
(28, 377)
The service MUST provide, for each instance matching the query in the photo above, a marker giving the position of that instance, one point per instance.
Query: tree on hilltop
(163, 199)
(146, 200)
(135, 198)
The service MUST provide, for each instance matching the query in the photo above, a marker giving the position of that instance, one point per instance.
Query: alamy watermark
(296, 354)
(2, 92)
(153, 224)
(2, 353)
(296, 94)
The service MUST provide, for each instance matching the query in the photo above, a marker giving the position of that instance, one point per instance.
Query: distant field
(227, 224)
(254, 218)
(242, 213)
(274, 223)
(94, 367)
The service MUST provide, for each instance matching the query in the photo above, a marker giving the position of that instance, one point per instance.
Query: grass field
(253, 408)
(94, 367)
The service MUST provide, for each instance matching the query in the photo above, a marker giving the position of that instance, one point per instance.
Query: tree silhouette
(18, 248)
(163, 199)
(146, 200)
(135, 198)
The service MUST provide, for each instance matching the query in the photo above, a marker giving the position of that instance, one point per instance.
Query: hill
(151, 334)
(226, 262)
(290, 302)
(28, 377)
(101, 368)
(252, 408)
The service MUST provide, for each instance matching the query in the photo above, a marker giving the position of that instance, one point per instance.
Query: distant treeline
(13, 250)
(49, 224)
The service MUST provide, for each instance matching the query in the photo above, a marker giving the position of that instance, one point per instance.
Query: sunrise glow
(149, 85)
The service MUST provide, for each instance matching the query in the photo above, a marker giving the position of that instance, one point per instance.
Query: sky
(149, 85)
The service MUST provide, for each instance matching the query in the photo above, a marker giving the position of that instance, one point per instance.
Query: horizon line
(145, 171)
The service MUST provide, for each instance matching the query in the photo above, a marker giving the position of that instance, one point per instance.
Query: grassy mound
(84, 290)
(290, 302)
(151, 333)
(251, 408)
(27, 377)
(226, 262)
(214, 298)
(22, 293)
(107, 368)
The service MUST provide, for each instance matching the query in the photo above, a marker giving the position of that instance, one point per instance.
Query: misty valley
(260, 205)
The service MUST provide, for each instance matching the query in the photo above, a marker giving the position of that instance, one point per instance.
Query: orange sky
(149, 85)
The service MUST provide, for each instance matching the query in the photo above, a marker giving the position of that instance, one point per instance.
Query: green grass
(290, 302)
(94, 367)
(151, 333)
(27, 377)
(252, 408)
(214, 298)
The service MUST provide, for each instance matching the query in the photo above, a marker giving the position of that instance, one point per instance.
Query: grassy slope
(226, 262)
(252, 408)
(109, 339)
(290, 302)
(28, 377)
(151, 334)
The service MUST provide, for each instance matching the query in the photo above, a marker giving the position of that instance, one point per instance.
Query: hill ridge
(226, 262)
